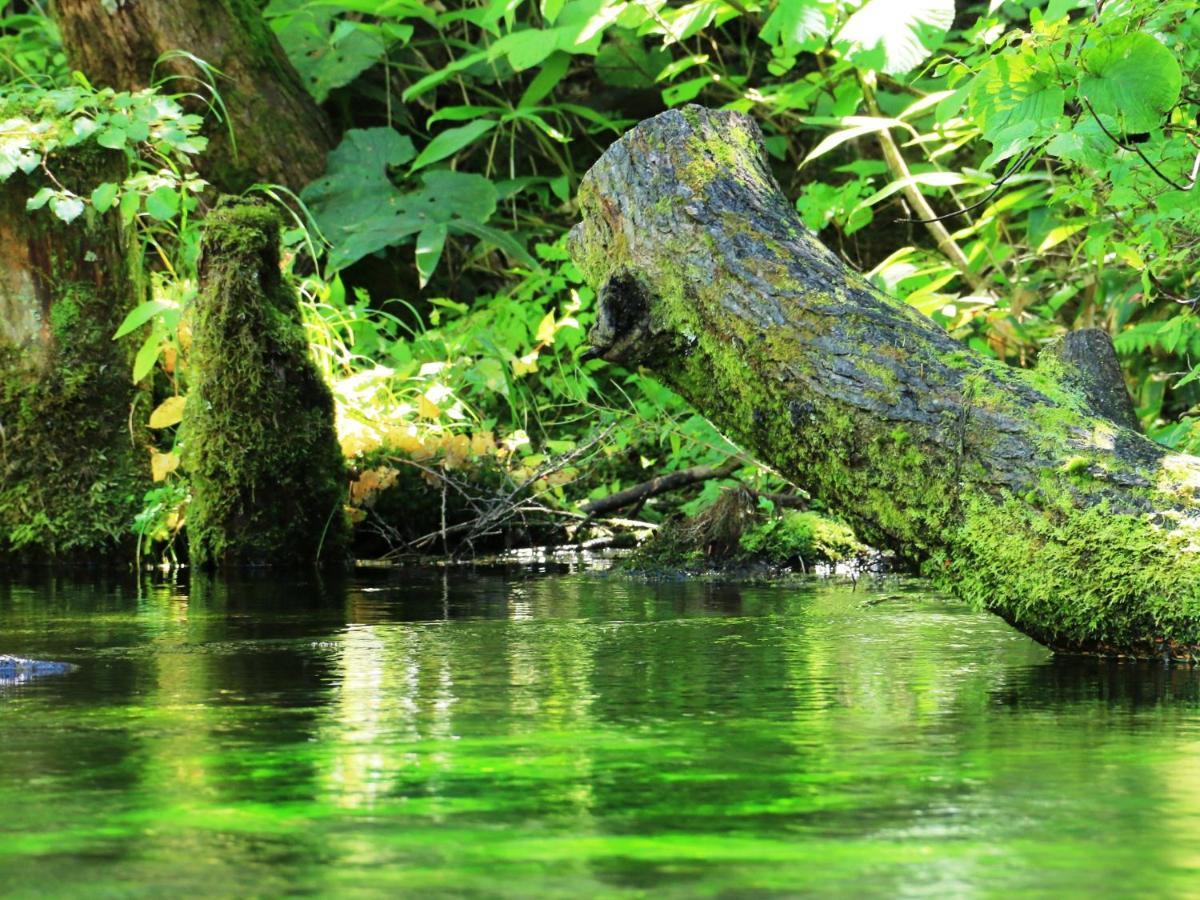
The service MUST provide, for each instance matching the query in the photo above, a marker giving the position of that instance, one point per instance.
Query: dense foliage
(1013, 169)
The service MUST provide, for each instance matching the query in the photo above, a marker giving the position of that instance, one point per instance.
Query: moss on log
(268, 477)
(1014, 489)
(72, 458)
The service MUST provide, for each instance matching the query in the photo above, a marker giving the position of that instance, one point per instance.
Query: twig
(999, 183)
(1138, 150)
(900, 171)
(659, 485)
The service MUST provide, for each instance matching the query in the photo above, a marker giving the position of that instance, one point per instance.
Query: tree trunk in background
(267, 475)
(1025, 492)
(72, 464)
(281, 135)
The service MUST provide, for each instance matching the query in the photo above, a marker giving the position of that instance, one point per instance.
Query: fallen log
(1017, 490)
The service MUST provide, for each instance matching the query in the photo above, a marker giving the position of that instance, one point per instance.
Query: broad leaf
(1133, 79)
(895, 36)
(1015, 94)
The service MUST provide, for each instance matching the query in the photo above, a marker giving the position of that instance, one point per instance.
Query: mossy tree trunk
(1024, 491)
(281, 135)
(72, 462)
(268, 477)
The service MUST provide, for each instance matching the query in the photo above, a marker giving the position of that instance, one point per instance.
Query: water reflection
(504, 734)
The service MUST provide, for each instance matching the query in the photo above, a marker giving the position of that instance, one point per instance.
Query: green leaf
(131, 202)
(162, 203)
(858, 127)
(432, 80)
(1015, 92)
(895, 36)
(430, 242)
(624, 61)
(328, 51)
(139, 316)
(929, 179)
(499, 239)
(112, 138)
(104, 196)
(40, 199)
(545, 81)
(1133, 78)
(451, 141)
(797, 25)
(147, 356)
(68, 208)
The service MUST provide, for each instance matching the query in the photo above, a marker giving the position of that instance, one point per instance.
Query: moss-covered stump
(1011, 488)
(268, 478)
(72, 460)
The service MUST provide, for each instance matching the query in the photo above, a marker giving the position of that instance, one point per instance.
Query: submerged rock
(15, 669)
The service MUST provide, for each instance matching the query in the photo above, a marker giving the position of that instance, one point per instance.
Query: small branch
(660, 485)
(999, 183)
(900, 171)
(1138, 150)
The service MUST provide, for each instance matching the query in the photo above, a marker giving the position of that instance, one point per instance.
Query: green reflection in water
(578, 736)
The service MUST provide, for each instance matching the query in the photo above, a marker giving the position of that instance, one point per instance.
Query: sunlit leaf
(168, 413)
(430, 242)
(162, 464)
(1133, 78)
(895, 36)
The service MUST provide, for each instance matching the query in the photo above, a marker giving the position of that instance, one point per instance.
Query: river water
(521, 735)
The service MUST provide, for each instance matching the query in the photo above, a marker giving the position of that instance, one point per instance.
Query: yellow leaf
(526, 364)
(1059, 234)
(545, 332)
(162, 464)
(169, 412)
(483, 443)
(427, 409)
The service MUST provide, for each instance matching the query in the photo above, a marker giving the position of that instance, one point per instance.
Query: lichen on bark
(268, 477)
(1010, 488)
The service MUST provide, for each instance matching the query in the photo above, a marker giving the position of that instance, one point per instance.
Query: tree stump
(73, 463)
(1020, 491)
(267, 474)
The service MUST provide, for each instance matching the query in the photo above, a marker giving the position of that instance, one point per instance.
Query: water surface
(578, 736)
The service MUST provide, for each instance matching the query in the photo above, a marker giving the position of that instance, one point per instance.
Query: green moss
(268, 478)
(73, 467)
(1079, 577)
(801, 535)
(71, 472)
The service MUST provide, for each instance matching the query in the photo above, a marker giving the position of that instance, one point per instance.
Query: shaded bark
(281, 136)
(1020, 491)
(72, 463)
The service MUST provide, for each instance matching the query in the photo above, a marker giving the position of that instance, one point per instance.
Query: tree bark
(72, 463)
(1018, 490)
(280, 134)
